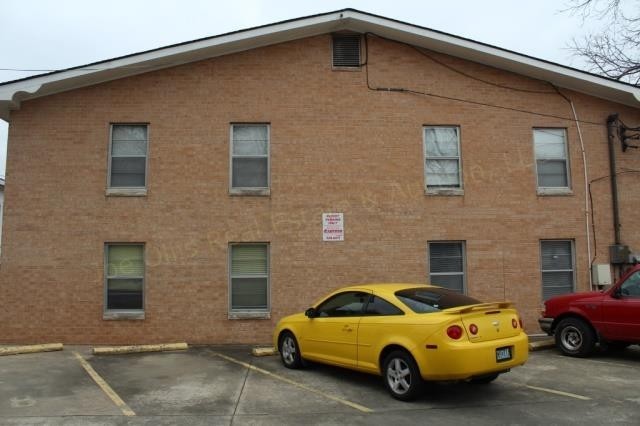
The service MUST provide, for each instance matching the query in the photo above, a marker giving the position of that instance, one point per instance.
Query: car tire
(289, 351)
(401, 376)
(574, 337)
(484, 380)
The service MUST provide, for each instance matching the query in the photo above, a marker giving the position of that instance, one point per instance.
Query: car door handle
(347, 328)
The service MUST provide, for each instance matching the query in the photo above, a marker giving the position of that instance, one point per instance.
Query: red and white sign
(332, 227)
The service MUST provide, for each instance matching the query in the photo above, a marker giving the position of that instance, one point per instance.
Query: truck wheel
(574, 337)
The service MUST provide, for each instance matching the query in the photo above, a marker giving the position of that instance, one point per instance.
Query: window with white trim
(128, 156)
(552, 165)
(442, 168)
(250, 156)
(557, 267)
(249, 277)
(124, 277)
(447, 264)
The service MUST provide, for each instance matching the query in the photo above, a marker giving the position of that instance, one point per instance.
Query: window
(250, 156)
(442, 158)
(426, 300)
(631, 287)
(446, 265)
(128, 156)
(124, 277)
(557, 267)
(249, 277)
(552, 165)
(348, 304)
(380, 307)
(346, 50)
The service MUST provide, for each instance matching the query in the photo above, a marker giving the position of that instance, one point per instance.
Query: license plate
(503, 354)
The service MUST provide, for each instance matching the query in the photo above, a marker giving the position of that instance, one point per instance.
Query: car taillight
(455, 332)
(521, 323)
(514, 323)
(473, 329)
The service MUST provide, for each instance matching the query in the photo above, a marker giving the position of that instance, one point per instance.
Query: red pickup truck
(610, 318)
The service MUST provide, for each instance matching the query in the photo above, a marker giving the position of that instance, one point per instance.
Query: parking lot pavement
(226, 385)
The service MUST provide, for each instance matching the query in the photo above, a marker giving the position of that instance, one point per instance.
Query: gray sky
(55, 34)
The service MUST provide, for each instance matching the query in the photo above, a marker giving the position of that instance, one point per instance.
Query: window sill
(449, 192)
(249, 315)
(554, 191)
(351, 69)
(122, 315)
(259, 192)
(126, 192)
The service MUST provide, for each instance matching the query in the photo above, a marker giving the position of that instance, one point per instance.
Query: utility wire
(451, 98)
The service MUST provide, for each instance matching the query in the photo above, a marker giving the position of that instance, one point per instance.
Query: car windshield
(433, 299)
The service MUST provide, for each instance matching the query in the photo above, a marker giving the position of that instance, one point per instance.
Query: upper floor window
(442, 158)
(128, 156)
(249, 157)
(552, 165)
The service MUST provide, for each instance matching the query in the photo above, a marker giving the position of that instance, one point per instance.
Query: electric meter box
(601, 273)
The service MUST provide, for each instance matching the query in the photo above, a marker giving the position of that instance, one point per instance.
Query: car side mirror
(617, 293)
(311, 313)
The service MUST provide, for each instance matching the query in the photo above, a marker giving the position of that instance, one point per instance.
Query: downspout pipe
(612, 127)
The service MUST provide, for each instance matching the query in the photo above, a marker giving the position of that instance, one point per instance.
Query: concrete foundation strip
(542, 344)
(30, 349)
(104, 386)
(299, 385)
(114, 350)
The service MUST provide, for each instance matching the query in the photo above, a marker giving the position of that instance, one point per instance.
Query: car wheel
(289, 351)
(574, 337)
(401, 376)
(483, 380)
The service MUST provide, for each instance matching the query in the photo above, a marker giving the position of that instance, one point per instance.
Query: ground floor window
(557, 267)
(249, 277)
(447, 264)
(124, 277)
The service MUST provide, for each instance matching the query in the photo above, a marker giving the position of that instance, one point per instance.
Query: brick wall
(335, 147)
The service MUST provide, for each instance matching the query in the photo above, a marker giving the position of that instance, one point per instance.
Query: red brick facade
(335, 147)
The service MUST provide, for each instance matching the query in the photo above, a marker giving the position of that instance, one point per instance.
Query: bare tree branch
(615, 52)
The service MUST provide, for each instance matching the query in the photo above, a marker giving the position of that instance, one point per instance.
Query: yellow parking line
(557, 392)
(104, 386)
(300, 385)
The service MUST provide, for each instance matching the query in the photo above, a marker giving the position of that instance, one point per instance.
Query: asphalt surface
(226, 385)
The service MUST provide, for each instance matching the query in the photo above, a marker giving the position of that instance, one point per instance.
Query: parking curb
(116, 350)
(264, 351)
(542, 344)
(30, 349)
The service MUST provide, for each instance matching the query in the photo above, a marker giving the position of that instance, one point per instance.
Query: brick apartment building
(179, 193)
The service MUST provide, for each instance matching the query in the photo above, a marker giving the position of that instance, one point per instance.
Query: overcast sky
(55, 34)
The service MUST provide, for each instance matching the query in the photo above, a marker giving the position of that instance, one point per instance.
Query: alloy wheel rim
(571, 338)
(288, 350)
(399, 376)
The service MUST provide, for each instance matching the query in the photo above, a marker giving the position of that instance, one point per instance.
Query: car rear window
(425, 300)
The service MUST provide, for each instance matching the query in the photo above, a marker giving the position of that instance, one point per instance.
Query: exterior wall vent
(346, 50)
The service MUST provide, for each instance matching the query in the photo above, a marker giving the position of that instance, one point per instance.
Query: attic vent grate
(346, 50)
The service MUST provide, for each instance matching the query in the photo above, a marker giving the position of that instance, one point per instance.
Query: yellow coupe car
(406, 333)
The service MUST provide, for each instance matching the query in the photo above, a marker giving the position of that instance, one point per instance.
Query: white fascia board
(498, 58)
(11, 94)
